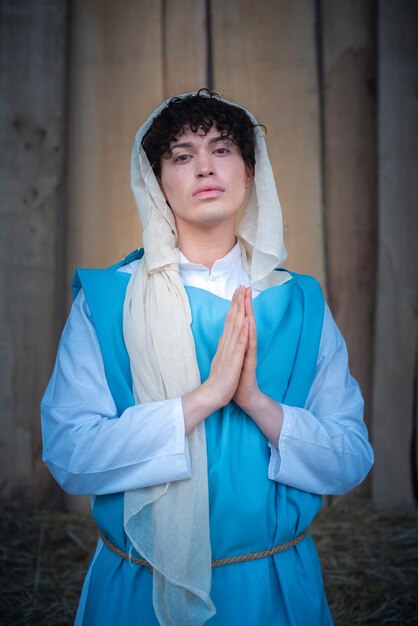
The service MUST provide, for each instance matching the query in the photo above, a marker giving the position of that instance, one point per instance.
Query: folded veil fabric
(169, 524)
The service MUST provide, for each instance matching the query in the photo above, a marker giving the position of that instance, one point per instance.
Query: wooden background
(336, 84)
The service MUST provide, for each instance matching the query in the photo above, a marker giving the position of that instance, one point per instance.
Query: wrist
(255, 402)
(268, 414)
(198, 405)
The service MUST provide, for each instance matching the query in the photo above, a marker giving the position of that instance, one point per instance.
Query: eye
(182, 158)
(222, 151)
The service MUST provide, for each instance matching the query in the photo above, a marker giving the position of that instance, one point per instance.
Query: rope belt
(250, 556)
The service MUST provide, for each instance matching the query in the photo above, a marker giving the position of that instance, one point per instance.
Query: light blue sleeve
(324, 448)
(86, 446)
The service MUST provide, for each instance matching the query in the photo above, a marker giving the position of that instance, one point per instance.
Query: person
(201, 394)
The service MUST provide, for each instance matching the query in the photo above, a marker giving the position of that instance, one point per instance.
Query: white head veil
(169, 524)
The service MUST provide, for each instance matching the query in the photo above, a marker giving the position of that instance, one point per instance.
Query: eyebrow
(189, 144)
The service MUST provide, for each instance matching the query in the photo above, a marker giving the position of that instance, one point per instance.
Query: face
(205, 181)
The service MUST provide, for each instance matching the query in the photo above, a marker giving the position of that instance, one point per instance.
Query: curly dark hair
(198, 112)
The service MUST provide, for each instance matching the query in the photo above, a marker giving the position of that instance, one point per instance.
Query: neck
(207, 247)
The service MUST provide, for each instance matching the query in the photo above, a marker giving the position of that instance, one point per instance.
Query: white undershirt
(222, 279)
(323, 447)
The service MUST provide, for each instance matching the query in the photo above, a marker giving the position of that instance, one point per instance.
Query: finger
(241, 305)
(230, 316)
(233, 323)
(235, 362)
(249, 311)
(240, 316)
(252, 342)
(241, 345)
(230, 358)
(226, 368)
(235, 318)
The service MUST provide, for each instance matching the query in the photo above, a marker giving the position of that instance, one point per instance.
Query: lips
(208, 191)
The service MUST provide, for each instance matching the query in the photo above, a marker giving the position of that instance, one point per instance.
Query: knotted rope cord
(240, 558)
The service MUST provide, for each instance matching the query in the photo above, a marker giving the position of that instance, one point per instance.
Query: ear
(249, 175)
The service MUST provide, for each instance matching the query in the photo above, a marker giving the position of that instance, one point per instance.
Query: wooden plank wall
(32, 108)
(348, 87)
(396, 339)
(185, 45)
(307, 69)
(123, 63)
(116, 79)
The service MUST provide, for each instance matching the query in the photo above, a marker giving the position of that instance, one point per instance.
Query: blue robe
(248, 511)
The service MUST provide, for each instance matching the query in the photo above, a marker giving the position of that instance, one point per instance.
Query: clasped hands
(232, 374)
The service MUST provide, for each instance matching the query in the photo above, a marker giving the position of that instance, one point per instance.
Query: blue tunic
(248, 511)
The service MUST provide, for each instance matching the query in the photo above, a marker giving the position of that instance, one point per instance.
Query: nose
(204, 165)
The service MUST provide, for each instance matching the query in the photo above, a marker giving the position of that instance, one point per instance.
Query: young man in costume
(201, 396)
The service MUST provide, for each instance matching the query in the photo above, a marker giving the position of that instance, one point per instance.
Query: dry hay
(369, 557)
(368, 554)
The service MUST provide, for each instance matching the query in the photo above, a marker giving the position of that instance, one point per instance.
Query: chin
(217, 220)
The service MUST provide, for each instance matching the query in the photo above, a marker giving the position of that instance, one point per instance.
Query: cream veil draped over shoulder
(169, 524)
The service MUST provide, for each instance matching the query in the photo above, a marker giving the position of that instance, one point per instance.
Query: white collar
(230, 260)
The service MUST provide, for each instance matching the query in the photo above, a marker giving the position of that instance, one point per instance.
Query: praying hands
(233, 374)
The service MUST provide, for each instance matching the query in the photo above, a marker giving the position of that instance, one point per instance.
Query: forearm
(87, 445)
(267, 414)
(169, 468)
(324, 447)
(201, 402)
(91, 453)
(327, 455)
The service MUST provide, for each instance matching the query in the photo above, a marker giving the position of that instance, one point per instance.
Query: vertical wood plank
(264, 57)
(185, 46)
(396, 322)
(32, 58)
(350, 151)
(116, 81)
